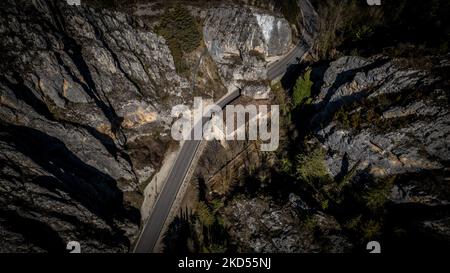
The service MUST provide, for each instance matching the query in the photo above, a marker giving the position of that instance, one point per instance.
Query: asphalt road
(309, 30)
(280, 67)
(155, 223)
(166, 198)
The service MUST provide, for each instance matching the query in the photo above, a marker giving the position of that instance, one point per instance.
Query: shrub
(285, 165)
(311, 167)
(204, 214)
(361, 33)
(371, 229)
(364, 229)
(302, 89)
(281, 98)
(181, 32)
(376, 197)
(355, 120)
(342, 117)
(216, 204)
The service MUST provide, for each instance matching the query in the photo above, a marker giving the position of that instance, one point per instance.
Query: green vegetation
(361, 209)
(216, 204)
(201, 231)
(309, 223)
(345, 180)
(285, 165)
(343, 21)
(282, 98)
(365, 220)
(204, 214)
(302, 89)
(377, 196)
(290, 10)
(343, 117)
(311, 167)
(361, 32)
(182, 34)
(299, 167)
(364, 229)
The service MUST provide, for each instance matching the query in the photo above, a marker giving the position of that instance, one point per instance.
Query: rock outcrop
(384, 126)
(396, 120)
(85, 100)
(259, 225)
(85, 110)
(240, 40)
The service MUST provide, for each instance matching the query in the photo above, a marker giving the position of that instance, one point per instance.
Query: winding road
(152, 229)
(155, 223)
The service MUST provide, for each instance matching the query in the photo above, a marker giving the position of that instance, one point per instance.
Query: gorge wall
(86, 95)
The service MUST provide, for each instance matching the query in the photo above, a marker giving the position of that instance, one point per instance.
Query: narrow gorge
(86, 94)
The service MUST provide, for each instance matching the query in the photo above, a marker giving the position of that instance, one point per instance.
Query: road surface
(155, 223)
(280, 67)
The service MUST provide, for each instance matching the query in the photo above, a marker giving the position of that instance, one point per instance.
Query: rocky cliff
(241, 41)
(364, 150)
(397, 117)
(385, 134)
(368, 160)
(85, 101)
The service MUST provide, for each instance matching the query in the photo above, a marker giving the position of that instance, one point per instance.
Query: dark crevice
(96, 190)
(23, 93)
(35, 231)
(74, 51)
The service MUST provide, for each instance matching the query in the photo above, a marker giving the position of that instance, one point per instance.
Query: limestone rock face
(259, 225)
(384, 128)
(239, 41)
(85, 99)
(408, 133)
(384, 120)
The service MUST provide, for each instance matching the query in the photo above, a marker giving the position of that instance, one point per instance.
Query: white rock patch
(266, 23)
